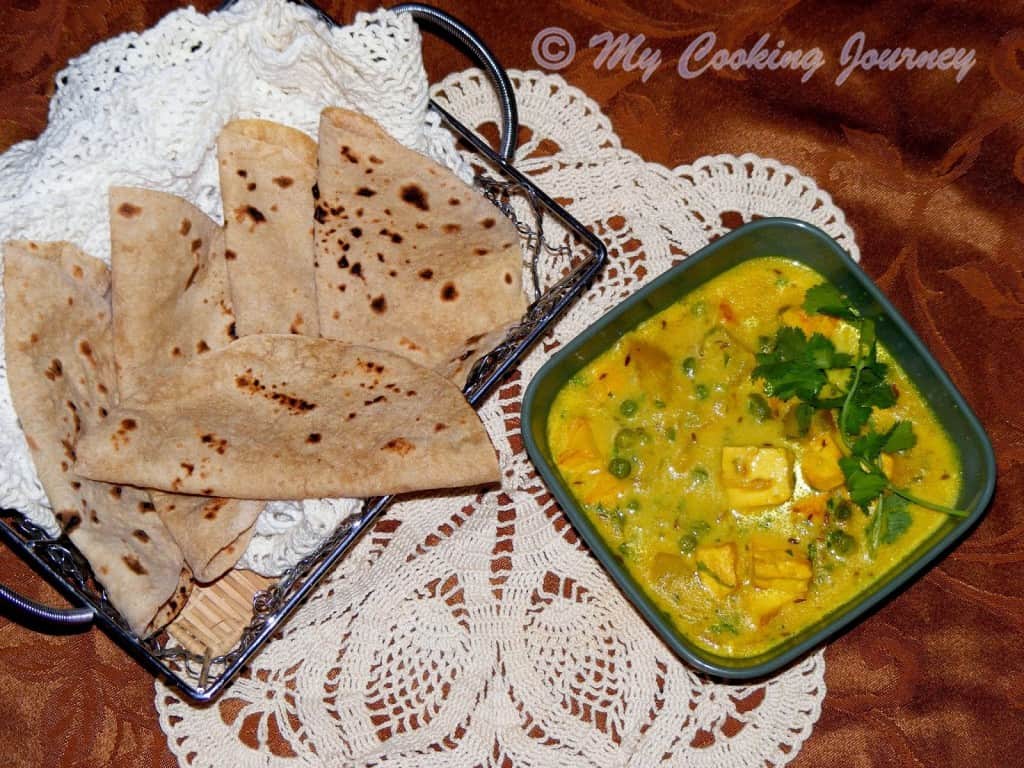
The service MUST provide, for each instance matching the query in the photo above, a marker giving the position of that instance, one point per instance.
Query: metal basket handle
(440, 21)
(44, 614)
(30, 611)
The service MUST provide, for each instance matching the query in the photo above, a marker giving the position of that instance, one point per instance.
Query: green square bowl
(808, 245)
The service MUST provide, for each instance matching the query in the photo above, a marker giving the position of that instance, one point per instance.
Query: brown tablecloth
(929, 172)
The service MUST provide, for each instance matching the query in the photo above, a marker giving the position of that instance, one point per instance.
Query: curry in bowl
(754, 456)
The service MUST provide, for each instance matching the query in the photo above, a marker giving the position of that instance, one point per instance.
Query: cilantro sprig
(795, 366)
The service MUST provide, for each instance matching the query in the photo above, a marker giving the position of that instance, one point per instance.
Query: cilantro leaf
(853, 417)
(795, 366)
(896, 519)
(826, 299)
(900, 437)
(869, 388)
(864, 486)
(820, 351)
(869, 445)
(875, 388)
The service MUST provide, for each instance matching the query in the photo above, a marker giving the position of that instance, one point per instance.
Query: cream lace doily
(477, 630)
(464, 630)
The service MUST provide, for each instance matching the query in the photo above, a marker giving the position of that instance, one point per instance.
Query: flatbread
(171, 304)
(458, 368)
(174, 606)
(289, 417)
(267, 172)
(170, 288)
(61, 373)
(212, 533)
(408, 258)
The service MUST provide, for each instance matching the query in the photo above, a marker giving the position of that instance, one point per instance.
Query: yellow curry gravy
(724, 512)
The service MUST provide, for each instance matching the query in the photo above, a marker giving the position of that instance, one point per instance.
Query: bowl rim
(897, 579)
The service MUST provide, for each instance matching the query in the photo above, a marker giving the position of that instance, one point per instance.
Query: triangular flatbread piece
(60, 369)
(170, 305)
(289, 417)
(408, 258)
(267, 172)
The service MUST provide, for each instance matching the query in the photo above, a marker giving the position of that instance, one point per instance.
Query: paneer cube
(600, 487)
(716, 568)
(820, 463)
(756, 476)
(782, 568)
(779, 575)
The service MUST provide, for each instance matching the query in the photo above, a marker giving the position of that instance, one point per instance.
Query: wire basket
(202, 675)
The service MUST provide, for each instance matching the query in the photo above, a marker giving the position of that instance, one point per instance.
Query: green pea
(702, 392)
(625, 439)
(699, 475)
(659, 403)
(688, 543)
(670, 433)
(841, 543)
(842, 511)
(628, 408)
(690, 366)
(620, 468)
(758, 407)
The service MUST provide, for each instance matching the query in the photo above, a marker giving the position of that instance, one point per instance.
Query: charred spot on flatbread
(254, 214)
(414, 195)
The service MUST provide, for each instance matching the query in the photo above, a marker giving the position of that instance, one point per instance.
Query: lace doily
(464, 630)
(477, 630)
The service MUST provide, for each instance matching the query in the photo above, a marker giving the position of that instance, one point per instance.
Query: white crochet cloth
(465, 630)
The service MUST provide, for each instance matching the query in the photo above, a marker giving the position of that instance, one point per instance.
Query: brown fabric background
(930, 175)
